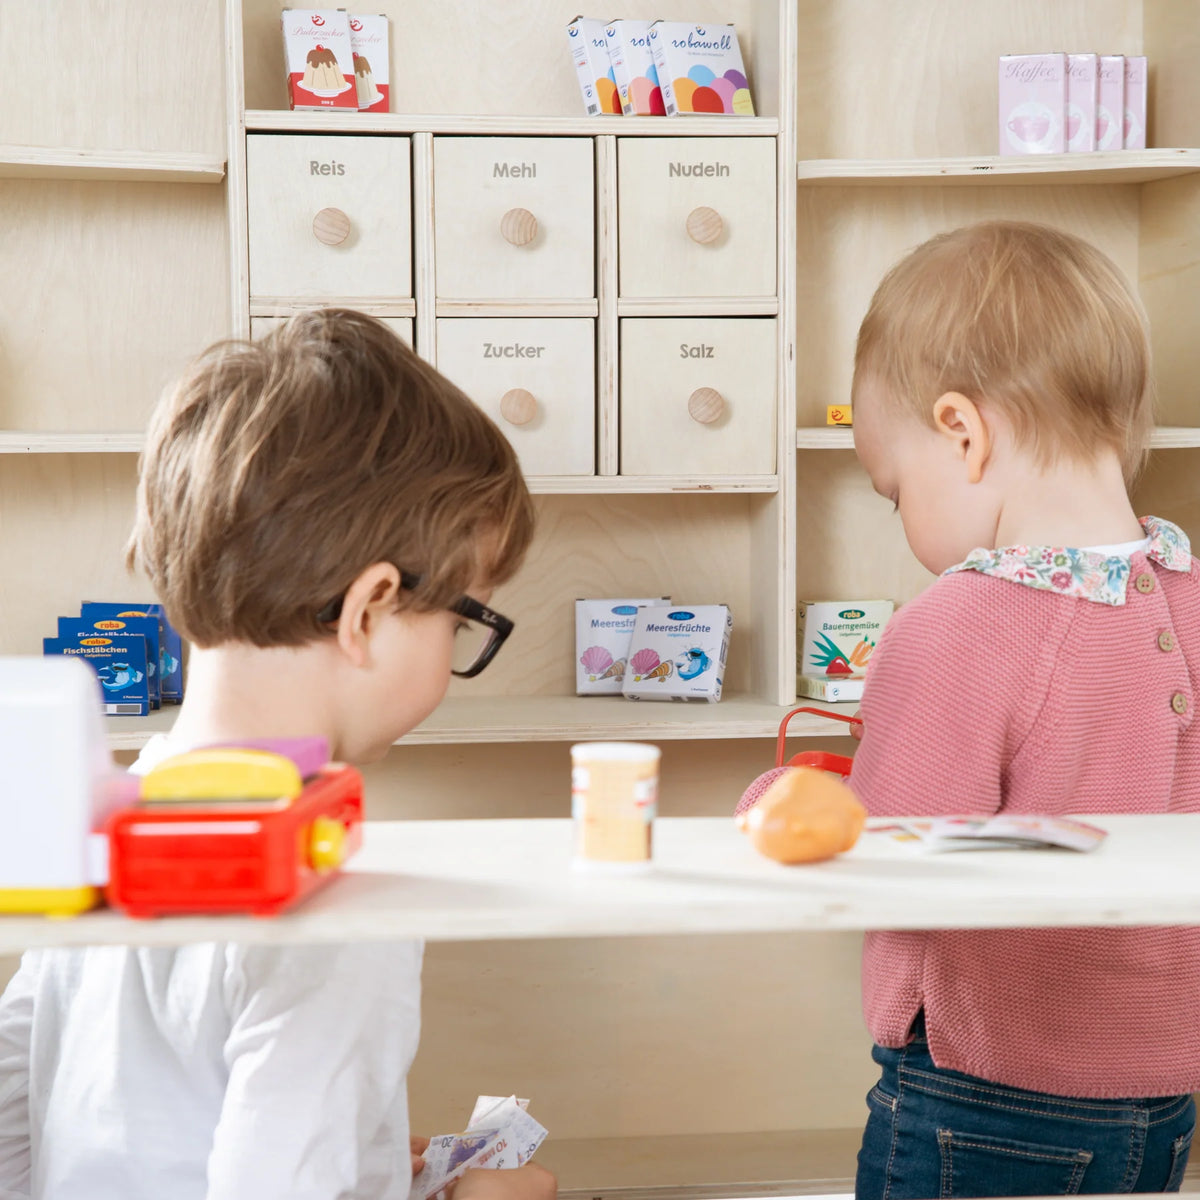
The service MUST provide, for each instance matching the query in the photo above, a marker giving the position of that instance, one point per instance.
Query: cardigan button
(1179, 702)
(1166, 641)
(1144, 583)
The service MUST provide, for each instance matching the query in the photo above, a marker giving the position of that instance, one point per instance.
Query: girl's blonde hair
(1034, 321)
(275, 472)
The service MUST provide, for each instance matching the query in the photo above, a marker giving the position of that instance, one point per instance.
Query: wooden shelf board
(488, 880)
(1108, 167)
(698, 306)
(816, 437)
(17, 442)
(134, 166)
(517, 308)
(461, 720)
(649, 484)
(258, 120)
(286, 306)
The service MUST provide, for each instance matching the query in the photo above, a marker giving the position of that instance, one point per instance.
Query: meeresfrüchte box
(678, 652)
(602, 632)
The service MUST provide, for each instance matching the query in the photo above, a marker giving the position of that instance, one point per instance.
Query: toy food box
(836, 640)
(1135, 102)
(170, 650)
(1083, 92)
(678, 653)
(320, 62)
(121, 666)
(589, 53)
(602, 632)
(1033, 103)
(633, 68)
(700, 69)
(84, 631)
(1110, 107)
(369, 53)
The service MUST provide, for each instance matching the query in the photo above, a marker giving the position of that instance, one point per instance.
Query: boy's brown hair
(275, 472)
(1034, 321)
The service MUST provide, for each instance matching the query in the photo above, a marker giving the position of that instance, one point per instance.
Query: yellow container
(614, 799)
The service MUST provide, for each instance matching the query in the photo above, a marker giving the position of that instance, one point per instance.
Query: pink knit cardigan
(985, 695)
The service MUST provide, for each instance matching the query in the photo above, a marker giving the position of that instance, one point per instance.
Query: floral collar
(1081, 573)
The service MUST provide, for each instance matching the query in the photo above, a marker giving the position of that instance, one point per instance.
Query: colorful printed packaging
(700, 69)
(678, 653)
(1083, 92)
(1033, 103)
(1135, 102)
(589, 53)
(602, 632)
(120, 666)
(77, 629)
(836, 690)
(1110, 107)
(170, 651)
(320, 62)
(837, 637)
(633, 68)
(369, 54)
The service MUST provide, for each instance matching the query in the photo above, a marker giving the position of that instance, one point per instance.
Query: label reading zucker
(516, 350)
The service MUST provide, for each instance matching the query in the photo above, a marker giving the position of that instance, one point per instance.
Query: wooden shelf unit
(126, 166)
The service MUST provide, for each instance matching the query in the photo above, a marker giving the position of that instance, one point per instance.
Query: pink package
(1033, 103)
(316, 47)
(1135, 102)
(1083, 84)
(1110, 108)
(369, 47)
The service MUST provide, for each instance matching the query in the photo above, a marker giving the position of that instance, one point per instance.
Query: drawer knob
(331, 226)
(518, 226)
(518, 407)
(706, 405)
(704, 225)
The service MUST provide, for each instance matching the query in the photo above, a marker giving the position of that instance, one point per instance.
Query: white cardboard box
(602, 632)
(678, 652)
(837, 637)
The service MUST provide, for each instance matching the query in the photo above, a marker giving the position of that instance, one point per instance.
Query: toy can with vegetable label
(614, 799)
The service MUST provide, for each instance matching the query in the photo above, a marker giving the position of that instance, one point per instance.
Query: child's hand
(530, 1182)
(856, 730)
(417, 1147)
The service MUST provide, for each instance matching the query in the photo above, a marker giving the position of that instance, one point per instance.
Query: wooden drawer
(329, 216)
(261, 326)
(696, 216)
(698, 396)
(535, 378)
(513, 218)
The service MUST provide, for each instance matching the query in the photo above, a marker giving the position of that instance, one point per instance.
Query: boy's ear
(368, 599)
(959, 418)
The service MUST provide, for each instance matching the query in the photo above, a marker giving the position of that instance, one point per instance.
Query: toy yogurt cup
(614, 799)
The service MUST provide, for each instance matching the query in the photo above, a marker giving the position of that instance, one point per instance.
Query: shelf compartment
(512, 879)
(1111, 167)
(561, 719)
(347, 121)
(132, 166)
(816, 437)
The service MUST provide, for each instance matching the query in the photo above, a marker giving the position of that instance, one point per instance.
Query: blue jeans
(934, 1133)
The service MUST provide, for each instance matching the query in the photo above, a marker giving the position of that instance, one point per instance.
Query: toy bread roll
(806, 815)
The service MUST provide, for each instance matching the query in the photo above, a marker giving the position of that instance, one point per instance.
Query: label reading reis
(330, 168)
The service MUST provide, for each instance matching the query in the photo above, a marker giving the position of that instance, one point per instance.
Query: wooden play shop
(658, 312)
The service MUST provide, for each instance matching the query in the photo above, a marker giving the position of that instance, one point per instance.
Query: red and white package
(369, 45)
(316, 48)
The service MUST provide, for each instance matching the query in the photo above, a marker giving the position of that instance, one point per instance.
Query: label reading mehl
(521, 170)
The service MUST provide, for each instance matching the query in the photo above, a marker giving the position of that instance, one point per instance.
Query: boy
(322, 514)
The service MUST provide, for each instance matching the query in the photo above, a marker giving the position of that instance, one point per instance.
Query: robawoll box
(589, 55)
(602, 632)
(700, 69)
(319, 59)
(633, 68)
(678, 652)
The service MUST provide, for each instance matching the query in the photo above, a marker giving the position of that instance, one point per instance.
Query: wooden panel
(122, 283)
(711, 233)
(123, 75)
(294, 181)
(694, 548)
(549, 363)
(64, 520)
(1170, 283)
(849, 237)
(1170, 488)
(850, 545)
(698, 395)
(513, 217)
(1172, 44)
(880, 80)
(505, 59)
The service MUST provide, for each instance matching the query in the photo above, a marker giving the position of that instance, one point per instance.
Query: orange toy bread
(804, 816)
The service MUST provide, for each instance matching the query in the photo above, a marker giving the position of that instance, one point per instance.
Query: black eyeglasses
(480, 633)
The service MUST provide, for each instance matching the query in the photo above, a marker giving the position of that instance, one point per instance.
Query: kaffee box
(319, 58)
(369, 48)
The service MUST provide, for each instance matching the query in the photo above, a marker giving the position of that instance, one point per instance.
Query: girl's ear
(959, 419)
(368, 599)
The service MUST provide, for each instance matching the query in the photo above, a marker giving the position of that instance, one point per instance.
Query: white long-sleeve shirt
(209, 1072)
